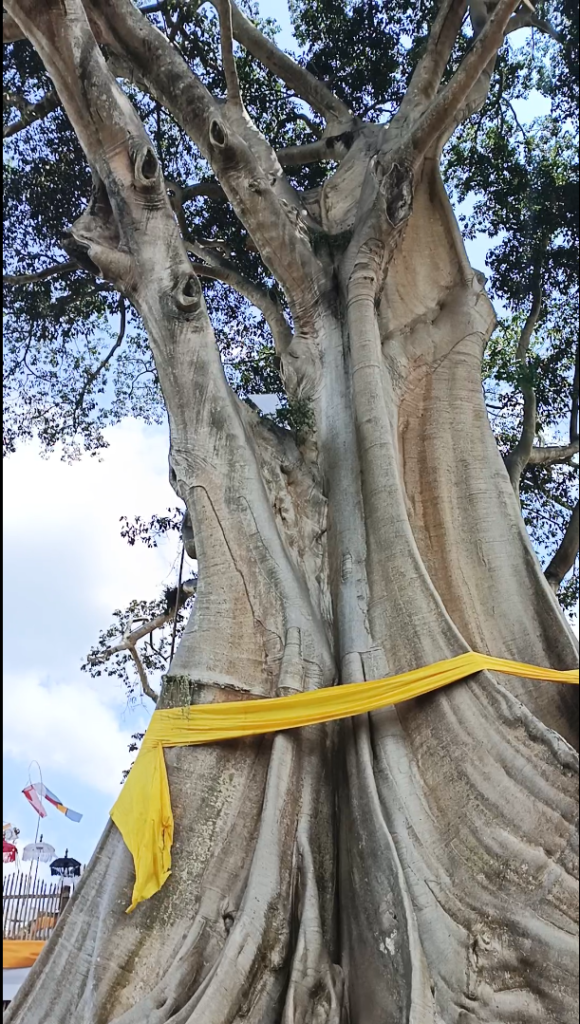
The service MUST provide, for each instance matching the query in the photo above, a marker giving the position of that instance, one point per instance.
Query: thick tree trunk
(414, 866)
(450, 894)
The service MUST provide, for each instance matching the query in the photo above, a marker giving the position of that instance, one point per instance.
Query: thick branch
(243, 161)
(545, 456)
(427, 75)
(305, 85)
(565, 556)
(41, 275)
(147, 690)
(133, 38)
(517, 460)
(30, 112)
(449, 101)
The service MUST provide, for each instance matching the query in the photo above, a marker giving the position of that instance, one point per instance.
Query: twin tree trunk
(413, 866)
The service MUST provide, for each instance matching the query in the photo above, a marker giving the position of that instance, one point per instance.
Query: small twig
(177, 604)
(41, 275)
(515, 117)
(104, 362)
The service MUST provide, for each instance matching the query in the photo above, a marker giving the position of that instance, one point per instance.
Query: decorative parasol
(10, 832)
(38, 851)
(66, 867)
(9, 852)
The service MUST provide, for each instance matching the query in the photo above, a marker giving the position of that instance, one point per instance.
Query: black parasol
(66, 867)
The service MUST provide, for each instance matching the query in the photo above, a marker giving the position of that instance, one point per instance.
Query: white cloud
(66, 727)
(66, 568)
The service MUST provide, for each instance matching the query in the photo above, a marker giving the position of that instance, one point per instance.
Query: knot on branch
(146, 167)
(218, 134)
(187, 293)
(397, 187)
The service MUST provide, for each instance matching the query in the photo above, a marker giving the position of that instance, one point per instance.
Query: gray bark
(413, 866)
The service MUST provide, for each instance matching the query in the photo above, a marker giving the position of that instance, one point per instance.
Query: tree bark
(415, 865)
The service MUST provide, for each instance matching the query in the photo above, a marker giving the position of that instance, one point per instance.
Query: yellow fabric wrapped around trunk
(20, 952)
(142, 812)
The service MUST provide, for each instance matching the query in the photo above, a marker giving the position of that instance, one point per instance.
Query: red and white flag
(31, 794)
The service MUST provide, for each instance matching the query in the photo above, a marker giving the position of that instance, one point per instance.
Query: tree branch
(305, 85)
(427, 76)
(448, 102)
(565, 556)
(104, 362)
(188, 588)
(134, 39)
(545, 456)
(209, 189)
(525, 19)
(30, 112)
(224, 9)
(518, 458)
(41, 275)
(219, 269)
(11, 30)
(147, 690)
(329, 147)
(574, 418)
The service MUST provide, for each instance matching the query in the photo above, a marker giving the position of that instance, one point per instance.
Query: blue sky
(66, 569)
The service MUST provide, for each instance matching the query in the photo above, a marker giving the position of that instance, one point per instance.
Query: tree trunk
(412, 866)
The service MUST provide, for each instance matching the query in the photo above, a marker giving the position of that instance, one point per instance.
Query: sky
(66, 568)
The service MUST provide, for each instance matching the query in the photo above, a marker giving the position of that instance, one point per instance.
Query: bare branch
(305, 85)
(517, 460)
(30, 112)
(565, 556)
(224, 10)
(147, 690)
(42, 275)
(221, 270)
(153, 8)
(188, 588)
(545, 456)
(104, 362)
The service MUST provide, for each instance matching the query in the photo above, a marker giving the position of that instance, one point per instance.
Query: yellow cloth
(142, 812)
(20, 952)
